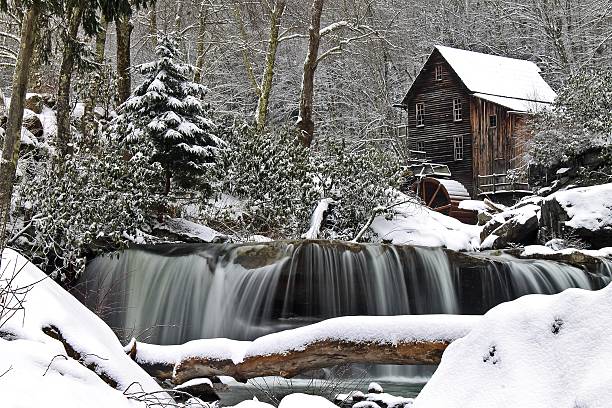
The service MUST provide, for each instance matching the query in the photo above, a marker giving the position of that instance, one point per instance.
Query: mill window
(419, 109)
(438, 72)
(457, 113)
(420, 146)
(492, 121)
(458, 147)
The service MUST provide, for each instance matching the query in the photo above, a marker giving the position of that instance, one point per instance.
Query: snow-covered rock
(516, 225)
(180, 229)
(537, 351)
(305, 401)
(414, 224)
(473, 205)
(375, 388)
(201, 388)
(375, 398)
(585, 212)
(33, 123)
(254, 403)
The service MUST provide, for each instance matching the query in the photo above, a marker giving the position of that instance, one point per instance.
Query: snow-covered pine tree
(166, 120)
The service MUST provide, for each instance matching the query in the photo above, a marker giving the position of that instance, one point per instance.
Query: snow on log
(411, 340)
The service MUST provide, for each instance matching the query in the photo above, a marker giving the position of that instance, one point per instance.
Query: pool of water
(273, 389)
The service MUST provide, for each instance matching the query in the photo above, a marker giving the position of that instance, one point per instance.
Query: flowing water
(172, 294)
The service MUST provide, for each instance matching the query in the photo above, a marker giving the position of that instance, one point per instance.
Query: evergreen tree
(166, 120)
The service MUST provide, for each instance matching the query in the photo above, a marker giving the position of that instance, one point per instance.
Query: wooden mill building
(467, 110)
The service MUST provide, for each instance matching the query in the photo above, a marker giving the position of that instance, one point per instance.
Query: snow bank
(473, 205)
(588, 207)
(537, 351)
(415, 224)
(40, 372)
(66, 384)
(366, 329)
(305, 401)
(254, 403)
(532, 250)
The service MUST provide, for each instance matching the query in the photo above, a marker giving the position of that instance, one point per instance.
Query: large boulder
(584, 212)
(518, 225)
(201, 388)
(32, 122)
(34, 102)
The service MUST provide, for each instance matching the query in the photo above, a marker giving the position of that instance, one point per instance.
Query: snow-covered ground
(587, 207)
(537, 351)
(38, 370)
(414, 224)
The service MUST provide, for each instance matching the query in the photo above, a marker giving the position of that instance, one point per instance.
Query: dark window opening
(492, 121)
(458, 147)
(419, 110)
(438, 72)
(457, 113)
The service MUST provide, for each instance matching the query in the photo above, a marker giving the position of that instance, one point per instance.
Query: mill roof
(513, 83)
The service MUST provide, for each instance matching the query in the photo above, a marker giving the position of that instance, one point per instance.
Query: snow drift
(38, 369)
(537, 351)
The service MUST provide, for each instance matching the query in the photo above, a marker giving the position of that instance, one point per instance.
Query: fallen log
(408, 340)
(315, 356)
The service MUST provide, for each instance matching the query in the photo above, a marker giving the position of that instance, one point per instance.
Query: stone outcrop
(36, 102)
(32, 122)
(556, 222)
(515, 226)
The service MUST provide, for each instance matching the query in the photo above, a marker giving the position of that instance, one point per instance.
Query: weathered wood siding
(495, 149)
(437, 134)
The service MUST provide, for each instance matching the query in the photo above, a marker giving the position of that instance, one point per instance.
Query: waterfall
(172, 294)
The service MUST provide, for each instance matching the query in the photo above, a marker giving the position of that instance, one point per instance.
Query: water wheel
(434, 194)
(444, 195)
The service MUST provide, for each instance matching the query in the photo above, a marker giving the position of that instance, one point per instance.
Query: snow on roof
(498, 76)
(519, 105)
(455, 189)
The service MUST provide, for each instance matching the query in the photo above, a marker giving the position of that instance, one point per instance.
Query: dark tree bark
(305, 122)
(12, 137)
(75, 15)
(88, 125)
(153, 25)
(268, 75)
(200, 46)
(124, 80)
(314, 356)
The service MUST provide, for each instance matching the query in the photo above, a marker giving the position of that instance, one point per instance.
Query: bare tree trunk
(178, 20)
(153, 25)
(124, 80)
(88, 125)
(246, 58)
(200, 46)
(12, 137)
(305, 122)
(65, 80)
(268, 75)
